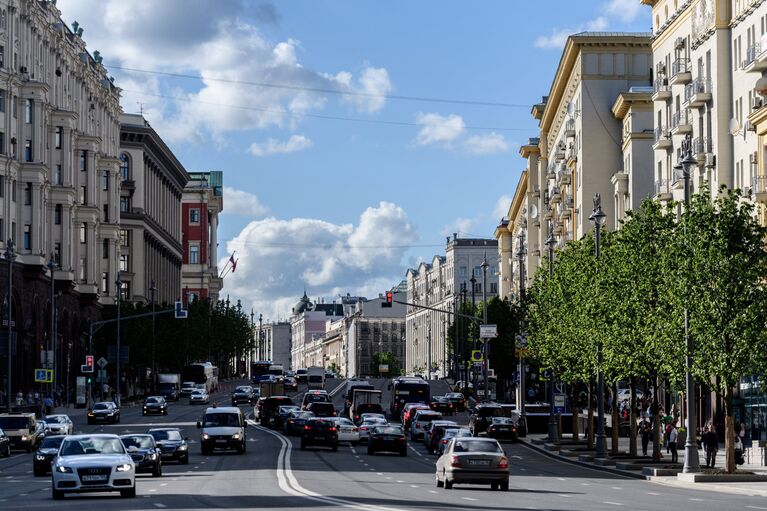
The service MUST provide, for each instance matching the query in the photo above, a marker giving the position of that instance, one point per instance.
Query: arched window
(125, 166)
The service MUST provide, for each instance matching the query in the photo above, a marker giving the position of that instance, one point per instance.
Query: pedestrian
(742, 433)
(672, 443)
(48, 405)
(710, 444)
(646, 432)
(667, 433)
(19, 398)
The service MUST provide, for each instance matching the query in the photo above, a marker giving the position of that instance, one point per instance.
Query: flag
(234, 265)
(231, 259)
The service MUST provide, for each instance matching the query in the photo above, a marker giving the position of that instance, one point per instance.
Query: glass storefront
(751, 409)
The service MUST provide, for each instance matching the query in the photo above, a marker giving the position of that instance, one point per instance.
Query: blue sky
(336, 205)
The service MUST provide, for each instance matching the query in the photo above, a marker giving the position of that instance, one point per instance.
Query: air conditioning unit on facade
(710, 160)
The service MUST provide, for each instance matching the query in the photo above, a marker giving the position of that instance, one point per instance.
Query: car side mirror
(199, 425)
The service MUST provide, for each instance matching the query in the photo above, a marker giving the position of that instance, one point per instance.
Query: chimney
(455, 236)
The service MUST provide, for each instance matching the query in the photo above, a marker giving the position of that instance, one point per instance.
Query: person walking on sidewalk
(672, 435)
(710, 445)
(646, 431)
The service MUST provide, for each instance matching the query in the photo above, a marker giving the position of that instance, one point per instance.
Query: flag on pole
(234, 265)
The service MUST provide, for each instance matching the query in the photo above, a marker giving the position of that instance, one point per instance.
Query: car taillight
(354, 430)
(400, 439)
(417, 425)
(331, 428)
(445, 440)
(307, 428)
(504, 463)
(455, 461)
(363, 428)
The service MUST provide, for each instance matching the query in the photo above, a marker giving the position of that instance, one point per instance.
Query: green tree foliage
(387, 357)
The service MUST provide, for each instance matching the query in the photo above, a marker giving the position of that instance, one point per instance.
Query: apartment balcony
(698, 93)
(681, 123)
(662, 139)
(756, 59)
(701, 146)
(552, 172)
(572, 156)
(547, 212)
(567, 205)
(663, 190)
(564, 176)
(759, 188)
(559, 154)
(661, 90)
(554, 197)
(570, 128)
(680, 72)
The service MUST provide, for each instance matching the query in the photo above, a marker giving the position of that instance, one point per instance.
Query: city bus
(201, 373)
(408, 390)
(259, 370)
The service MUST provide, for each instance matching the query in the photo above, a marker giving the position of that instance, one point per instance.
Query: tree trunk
(656, 454)
(591, 415)
(633, 418)
(616, 420)
(729, 433)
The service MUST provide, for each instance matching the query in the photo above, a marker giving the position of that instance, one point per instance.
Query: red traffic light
(88, 367)
(389, 299)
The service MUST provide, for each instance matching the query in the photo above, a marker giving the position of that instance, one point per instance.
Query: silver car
(93, 463)
(473, 461)
(58, 424)
(199, 396)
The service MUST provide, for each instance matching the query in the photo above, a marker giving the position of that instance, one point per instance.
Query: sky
(354, 135)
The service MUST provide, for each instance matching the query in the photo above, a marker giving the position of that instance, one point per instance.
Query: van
(21, 429)
(222, 427)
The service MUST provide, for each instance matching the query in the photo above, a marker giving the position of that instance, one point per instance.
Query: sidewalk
(643, 467)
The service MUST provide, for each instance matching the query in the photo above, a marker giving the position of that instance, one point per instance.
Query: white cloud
(502, 206)
(625, 10)
(558, 36)
(486, 144)
(279, 258)
(439, 129)
(272, 146)
(213, 39)
(241, 203)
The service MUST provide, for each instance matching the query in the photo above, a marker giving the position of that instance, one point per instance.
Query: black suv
(172, 445)
(155, 404)
(243, 394)
(41, 461)
(267, 408)
(145, 453)
(105, 411)
(322, 409)
(483, 416)
(319, 432)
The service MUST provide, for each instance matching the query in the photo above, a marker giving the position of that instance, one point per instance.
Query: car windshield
(52, 442)
(450, 433)
(323, 407)
(372, 421)
(287, 409)
(345, 422)
(315, 398)
(304, 415)
(427, 417)
(53, 419)
(14, 422)
(244, 390)
(454, 395)
(152, 400)
(213, 420)
(91, 445)
(101, 406)
(388, 430)
(501, 420)
(467, 445)
(164, 434)
(140, 441)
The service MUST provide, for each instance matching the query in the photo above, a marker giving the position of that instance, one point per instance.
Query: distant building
(202, 202)
(273, 343)
(308, 326)
(437, 285)
(371, 330)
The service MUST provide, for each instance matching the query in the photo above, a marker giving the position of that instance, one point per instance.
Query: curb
(627, 475)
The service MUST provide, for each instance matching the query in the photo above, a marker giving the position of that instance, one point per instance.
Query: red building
(201, 204)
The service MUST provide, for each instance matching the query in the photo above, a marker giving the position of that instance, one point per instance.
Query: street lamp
(553, 426)
(522, 341)
(691, 461)
(598, 219)
(486, 351)
(119, 287)
(153, 290)
(473, 281)
(10, 256)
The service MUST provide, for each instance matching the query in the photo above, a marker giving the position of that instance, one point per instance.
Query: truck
(271, 387)
(315, 377)
(169, 385)
(364, 401)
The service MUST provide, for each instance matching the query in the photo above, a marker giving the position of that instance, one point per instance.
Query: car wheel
(494, 486)
(371, 451)
(505, 486)
(403, 452)
(440, 484)
(335, 448)
(448, 483)
(129, 493)
(57, 494)
(303, 446)
(157, 472)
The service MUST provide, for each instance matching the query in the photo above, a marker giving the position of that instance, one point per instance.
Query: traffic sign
(488, 331)
(383, 368)
(559, 403)
(44, 375)
(476, 356)
(102, 362)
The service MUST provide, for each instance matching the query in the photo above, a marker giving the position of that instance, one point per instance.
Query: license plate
(319, 438)
(479, 463)
(503, 429)
(220, 441)
(94, 478)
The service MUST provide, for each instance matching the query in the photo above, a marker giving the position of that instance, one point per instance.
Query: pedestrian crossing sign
(44, 375)
(476, 356)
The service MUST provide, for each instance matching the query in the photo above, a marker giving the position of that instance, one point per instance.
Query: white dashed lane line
(612, 503)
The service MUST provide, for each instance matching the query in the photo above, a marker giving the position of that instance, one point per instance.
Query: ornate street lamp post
(522, 339)
(10, 256)
(553, 426)
(598, 219)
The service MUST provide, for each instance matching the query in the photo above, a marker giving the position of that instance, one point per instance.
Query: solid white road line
(612, 503)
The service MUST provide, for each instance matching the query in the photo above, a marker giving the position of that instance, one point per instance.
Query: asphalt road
(275, 474)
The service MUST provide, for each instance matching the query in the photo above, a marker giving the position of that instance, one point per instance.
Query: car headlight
(39, 457)
(125, 467)
(153, 456)
(63, 469)
(236, 436)
(23, 438)
(205, 436)
(111, 413)
(182, 447)
(145, 408)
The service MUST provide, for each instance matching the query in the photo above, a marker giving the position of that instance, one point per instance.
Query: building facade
(201, 203)
(437, 285)
(371, 330)
(273, 343)
(308, 325)
(59, 138)
(152, 182)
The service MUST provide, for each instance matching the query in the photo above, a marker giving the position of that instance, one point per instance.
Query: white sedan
(368, 425)
(93, 463)
(365, 416)
(58, 424)
(347, 431)
(199, 396)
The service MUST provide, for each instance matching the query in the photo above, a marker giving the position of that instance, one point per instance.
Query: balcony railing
(680, 72)
(751, 54)
(661, 85)
(698, 92)
(701, 145)
(662, 187)
(680, 118)
(570, 128)
(563, 176)
(759, 187)
(662, 138)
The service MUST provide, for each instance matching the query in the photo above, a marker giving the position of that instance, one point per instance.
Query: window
(194, 254)
(57, 253)
(2, 56)
(106, 213)
(125, 166)
(105, 283)
(125, 294)
(27, 237)
(493, 287)
(13, 190)
(2, 142)
(194, 216)
(57, 214)
(105, 180)
(83, 232)
(83, 265)
(83, 195)
(15, 107)
(28, 150)
(462, 271)
(105, 249)
(2, 229)
(124, 204)
(124, 262)
(28, 194)
(83, 161)
(57, 174)
(28, 110)
(57, 138)
(124, 238)
(477, 271)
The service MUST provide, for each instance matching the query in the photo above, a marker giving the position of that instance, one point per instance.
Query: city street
(274, 473)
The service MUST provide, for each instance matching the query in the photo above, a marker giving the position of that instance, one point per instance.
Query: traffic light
(389, 299)
(88, 366)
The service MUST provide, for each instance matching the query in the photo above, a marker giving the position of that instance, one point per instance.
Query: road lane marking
(432, 491)
(157, 504)
(414, 486)
(616, 488)
(696, 500)
(415, 450)
(612, 503)
(379, 473)
(585, 484)
(469, 498)
(657, 494)
(755, 507)
(561, 479)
